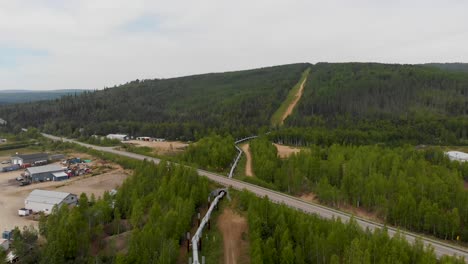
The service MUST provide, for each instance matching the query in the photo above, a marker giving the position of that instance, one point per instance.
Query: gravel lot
(12, 195)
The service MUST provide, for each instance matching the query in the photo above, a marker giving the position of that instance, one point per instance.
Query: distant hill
(22, 96)
(183, 107)
(461, 67)
(352, 103)
(385, 102)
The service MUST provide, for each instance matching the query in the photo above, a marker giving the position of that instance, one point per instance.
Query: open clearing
(248, 164)
(161, 147)
(293, 97)
(293, 104)
(286, 151)
(234, 229)
(12, 195)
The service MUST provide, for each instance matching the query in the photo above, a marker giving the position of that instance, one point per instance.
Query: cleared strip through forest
(287, 106)
(440, 248)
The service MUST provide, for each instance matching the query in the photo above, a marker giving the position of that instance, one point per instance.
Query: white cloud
(92, 43)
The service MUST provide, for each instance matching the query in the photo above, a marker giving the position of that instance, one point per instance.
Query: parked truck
(11, 168)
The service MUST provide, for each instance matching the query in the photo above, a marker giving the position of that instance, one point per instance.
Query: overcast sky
(90, 44)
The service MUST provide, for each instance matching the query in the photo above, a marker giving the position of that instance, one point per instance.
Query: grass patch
(277, 116)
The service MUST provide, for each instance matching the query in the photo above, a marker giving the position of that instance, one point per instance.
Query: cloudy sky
(90, 44)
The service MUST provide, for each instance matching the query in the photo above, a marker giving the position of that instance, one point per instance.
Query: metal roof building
(121, 137)
(457, 155)
(44, 201)
(44, 173)
(29, 158)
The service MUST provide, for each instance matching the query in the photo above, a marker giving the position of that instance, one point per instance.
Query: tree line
(420, 190)
(279, 234)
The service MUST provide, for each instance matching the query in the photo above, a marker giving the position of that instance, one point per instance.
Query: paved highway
(440, 248)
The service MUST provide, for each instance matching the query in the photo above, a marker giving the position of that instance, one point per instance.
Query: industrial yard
(101, 176)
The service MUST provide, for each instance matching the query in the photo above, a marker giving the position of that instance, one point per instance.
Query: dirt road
(232, 226)
(294, 102)
(248, 164)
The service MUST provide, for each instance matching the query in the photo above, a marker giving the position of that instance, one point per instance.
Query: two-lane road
(440, 248)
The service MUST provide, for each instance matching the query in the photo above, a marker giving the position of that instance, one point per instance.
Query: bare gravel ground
(12, 195)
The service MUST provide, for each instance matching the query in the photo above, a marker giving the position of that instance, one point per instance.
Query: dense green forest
(23, 96)
(279, 234)
(213, 153)
(173, 108)
(403, 103)
(420, 190)
(461, 67)
(358, 103)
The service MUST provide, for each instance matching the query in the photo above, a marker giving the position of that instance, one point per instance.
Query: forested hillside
(414, 104)
(461, 67)
(346, 103)
(174, 108)
(22, 96)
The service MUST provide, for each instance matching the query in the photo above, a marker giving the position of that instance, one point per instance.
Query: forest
(178, 108)
(416, 189)
(388, 103)
(279, 234)
(161, 201)
(212, 153)
(345, 103)
(24, 96)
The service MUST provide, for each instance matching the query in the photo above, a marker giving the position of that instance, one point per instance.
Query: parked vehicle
(6, 161)
(11, 168)
(19, 178)
(24, 183)
(24, 212)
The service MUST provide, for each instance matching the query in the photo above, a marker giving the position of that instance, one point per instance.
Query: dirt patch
(465, 183)
(309, 197)
(234, 229)
(286, 151)
(117, 243)
(294, 102)
(248, 164)
(161, 147)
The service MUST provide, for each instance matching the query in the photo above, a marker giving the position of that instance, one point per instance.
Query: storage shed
(43, 173)
(30, 158)
(44, 201)
(55, 157)
(457, 155)
(121, 137)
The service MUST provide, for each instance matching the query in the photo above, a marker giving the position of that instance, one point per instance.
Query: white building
(457, 155)
(121, 137)
(44, 201)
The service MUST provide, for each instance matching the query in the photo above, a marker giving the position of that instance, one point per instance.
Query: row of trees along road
(420, 190)
(279, 234)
